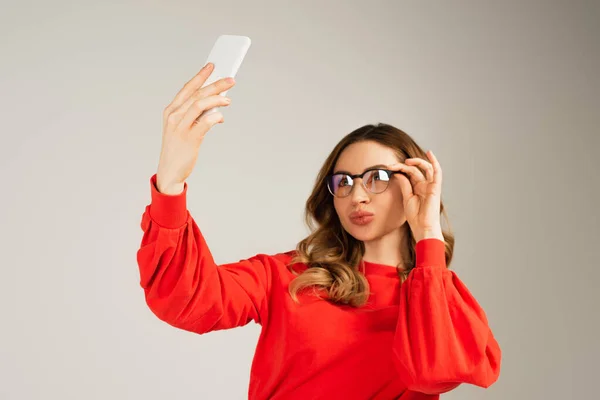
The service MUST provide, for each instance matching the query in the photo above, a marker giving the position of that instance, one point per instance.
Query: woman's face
(386, 207)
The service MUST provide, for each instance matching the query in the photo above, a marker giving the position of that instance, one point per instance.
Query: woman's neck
(390, 249)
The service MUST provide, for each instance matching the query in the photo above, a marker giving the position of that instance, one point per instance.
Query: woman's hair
(332, 255)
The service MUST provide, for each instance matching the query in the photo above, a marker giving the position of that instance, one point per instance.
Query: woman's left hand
(421, 195)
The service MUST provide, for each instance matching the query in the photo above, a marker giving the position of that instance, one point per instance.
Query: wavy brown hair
(332, 255)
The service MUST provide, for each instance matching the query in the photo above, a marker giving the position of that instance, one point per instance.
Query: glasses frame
(356, 176)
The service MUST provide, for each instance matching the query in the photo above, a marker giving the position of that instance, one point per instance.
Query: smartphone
(227, 55)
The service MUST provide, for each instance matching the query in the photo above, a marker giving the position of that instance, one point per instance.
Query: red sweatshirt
(412, 341)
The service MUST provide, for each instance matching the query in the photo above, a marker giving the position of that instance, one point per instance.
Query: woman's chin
(370, 231)
(362, 233)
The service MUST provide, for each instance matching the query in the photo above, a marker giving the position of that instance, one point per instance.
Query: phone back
(227, 55)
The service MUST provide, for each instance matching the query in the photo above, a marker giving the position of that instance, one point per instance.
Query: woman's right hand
(183, 131)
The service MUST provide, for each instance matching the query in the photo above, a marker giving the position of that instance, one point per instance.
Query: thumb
(405, 187)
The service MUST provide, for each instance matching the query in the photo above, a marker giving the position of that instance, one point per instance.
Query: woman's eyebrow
(378, 166)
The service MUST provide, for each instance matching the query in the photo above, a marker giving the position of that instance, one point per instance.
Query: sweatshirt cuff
(430, 253)
(168, 211)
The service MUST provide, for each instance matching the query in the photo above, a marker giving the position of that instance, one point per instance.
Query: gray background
(505, 93)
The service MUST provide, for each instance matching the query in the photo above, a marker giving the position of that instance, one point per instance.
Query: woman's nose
(359, 193)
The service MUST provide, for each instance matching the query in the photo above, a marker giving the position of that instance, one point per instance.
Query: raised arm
(183, 285)
(442, 338)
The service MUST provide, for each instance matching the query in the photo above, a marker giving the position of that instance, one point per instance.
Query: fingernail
(229, 80)
(208, 66)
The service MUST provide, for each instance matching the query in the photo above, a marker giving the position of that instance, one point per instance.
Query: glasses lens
(340, 185)
(376, 181)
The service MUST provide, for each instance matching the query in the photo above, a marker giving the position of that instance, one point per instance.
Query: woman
(364, 308)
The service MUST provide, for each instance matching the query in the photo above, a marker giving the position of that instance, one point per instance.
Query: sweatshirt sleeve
(183, 285)
(442, 338)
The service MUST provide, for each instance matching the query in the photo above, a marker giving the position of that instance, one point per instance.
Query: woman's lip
(360, 214)
(364, 220)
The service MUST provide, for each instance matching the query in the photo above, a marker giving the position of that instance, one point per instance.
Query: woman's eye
(374, 176)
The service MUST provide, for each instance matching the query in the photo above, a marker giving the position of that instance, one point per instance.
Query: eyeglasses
(373, 180)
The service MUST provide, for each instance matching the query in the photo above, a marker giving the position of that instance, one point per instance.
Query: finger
(405, 187)
(437, 169)
(205, 123)
(215, 88)
(190, 87)
(424, 165)
(199, 106)
(413, 172)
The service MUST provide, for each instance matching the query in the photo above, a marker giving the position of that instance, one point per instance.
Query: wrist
(429, 234)
(169, 188)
